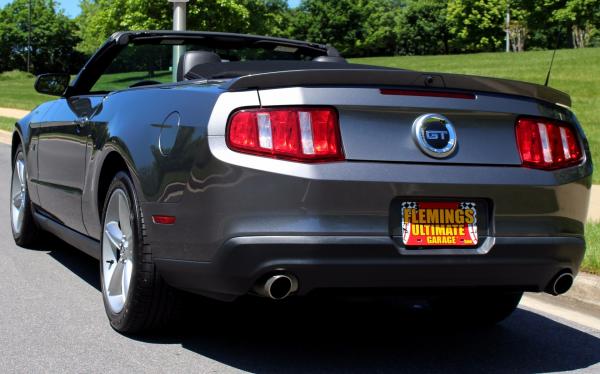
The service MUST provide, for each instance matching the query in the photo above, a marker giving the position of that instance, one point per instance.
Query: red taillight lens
(298, 134)
(547, 144)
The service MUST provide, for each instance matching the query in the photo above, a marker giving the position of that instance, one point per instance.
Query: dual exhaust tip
(560, 284)
(280, 286)
(277, 286)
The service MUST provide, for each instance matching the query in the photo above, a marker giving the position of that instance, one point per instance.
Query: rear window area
(142, 62)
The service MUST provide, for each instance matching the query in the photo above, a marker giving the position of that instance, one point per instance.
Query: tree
(328, 22)
(583, 17)
(379, 30)
(52, 37)
(354, 27)
(100, 18)
(518, 28)
(544, 30)
(423, 28)
(477, 25)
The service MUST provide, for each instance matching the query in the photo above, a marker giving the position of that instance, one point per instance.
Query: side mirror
(52, 84)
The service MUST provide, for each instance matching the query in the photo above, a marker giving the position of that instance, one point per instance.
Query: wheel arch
(16, 140)
(112, 163)
(20, 135)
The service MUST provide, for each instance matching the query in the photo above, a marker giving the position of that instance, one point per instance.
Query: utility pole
(29, 41)
(507, 28)
(179, 24)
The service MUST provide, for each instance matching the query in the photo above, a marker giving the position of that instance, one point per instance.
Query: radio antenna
(552, 60)
(550, 68)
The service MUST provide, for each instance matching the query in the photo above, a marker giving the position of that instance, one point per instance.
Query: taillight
(298, 134)
(547, 144)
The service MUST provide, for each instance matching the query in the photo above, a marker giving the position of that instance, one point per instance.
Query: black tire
(149, 303)
(29, 231)
(475, 308)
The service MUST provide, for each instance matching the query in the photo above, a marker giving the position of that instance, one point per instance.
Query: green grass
(119, 81)
(7, 124)
(575, 71)
(591, 262)
(16, 87)
(16, 91)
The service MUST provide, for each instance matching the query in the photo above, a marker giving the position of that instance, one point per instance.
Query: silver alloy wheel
(117, 250)
(18, 191)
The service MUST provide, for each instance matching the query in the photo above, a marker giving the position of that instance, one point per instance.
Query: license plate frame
(435, 224)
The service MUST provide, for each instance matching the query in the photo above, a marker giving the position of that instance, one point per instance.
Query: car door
(62, 148)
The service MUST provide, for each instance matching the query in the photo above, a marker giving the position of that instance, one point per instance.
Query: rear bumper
(522, 263)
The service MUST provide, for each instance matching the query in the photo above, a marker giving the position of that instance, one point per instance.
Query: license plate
(439, 224)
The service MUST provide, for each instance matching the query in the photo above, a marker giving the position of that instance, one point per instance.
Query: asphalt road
(52, 320)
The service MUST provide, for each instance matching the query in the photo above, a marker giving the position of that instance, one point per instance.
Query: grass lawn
(120, 81)
(16, 87)
(16, 91)
(7, 124)
(591, 262)
(575, 71)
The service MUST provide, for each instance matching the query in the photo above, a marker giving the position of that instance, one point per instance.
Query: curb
(586, 289)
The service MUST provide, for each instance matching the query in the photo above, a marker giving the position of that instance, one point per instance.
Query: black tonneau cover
(363, 75)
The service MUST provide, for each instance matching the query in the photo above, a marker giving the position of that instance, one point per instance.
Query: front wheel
(135, 296)
(24, 229)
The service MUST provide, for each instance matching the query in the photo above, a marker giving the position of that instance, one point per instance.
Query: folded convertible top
(329, 74)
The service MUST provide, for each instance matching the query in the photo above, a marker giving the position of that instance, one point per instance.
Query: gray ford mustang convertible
(227, 165)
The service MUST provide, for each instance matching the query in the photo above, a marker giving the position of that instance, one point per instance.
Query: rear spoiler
(397, 78)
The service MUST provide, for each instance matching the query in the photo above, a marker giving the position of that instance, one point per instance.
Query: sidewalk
(594, 212)
(13, 113)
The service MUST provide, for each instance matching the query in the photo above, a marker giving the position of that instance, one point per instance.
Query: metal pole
(507, 28)
(29, 41)
(179, 24)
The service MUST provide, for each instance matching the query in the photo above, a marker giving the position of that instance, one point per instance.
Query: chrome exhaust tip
(561, 284)
(277, 287)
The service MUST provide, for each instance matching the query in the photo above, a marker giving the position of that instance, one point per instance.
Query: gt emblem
(435, 135)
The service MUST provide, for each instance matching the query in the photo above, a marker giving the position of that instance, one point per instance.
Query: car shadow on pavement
(351, 337)
(263, 336)
(82, 265)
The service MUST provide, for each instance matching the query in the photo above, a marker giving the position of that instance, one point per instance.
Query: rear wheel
(135, 297)
(24, 228)
(476, 308)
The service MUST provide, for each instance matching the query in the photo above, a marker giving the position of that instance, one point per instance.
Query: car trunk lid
(377, 126)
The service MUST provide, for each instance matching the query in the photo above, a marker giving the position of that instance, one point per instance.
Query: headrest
(330, 59)
(192, 58)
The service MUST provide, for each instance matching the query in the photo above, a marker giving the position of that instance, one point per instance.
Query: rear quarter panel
(133, 123)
